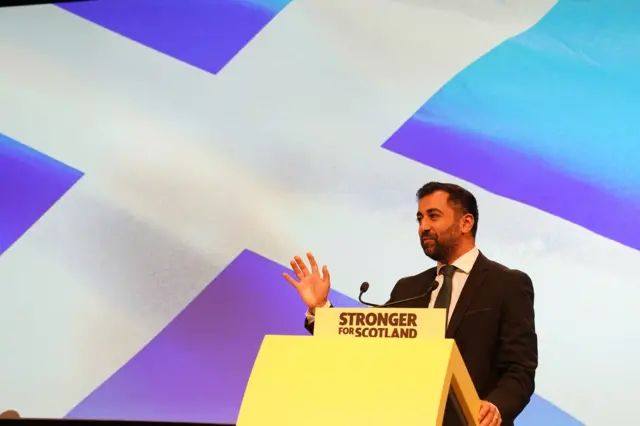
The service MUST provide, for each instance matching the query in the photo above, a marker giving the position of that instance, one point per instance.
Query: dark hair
(458, 196)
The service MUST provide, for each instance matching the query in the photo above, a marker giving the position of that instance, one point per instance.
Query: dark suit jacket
(493, 326)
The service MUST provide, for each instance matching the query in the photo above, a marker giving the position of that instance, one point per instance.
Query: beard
(434, 248)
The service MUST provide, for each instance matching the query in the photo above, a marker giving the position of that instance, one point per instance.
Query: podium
(363, 366)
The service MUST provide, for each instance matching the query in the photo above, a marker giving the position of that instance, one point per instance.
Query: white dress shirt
(463, 267)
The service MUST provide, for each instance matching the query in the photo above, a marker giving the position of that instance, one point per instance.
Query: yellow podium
(374, 378)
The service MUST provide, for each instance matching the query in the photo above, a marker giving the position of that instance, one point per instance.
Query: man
(490, 307)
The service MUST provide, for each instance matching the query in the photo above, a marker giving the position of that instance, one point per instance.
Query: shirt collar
(465, 262)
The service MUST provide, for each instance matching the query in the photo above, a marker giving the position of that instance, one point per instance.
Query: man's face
(439, 226)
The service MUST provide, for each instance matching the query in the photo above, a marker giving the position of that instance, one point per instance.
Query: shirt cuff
(311, 317)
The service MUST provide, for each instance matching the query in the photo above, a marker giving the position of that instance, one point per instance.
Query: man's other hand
(489, 414)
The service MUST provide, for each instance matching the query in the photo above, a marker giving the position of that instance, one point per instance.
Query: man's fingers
(325, 273)
(488, 415)
(483, 417)
(313, 263)
(291, 280)
(302, 266)
(296, 269)
(484, 410)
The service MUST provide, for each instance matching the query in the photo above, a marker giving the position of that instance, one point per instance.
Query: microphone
(363, 289)
(365, 286)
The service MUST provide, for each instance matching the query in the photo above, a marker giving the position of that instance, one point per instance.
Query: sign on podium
(395, 323)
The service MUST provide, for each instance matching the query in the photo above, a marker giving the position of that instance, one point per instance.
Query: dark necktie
(444, 295)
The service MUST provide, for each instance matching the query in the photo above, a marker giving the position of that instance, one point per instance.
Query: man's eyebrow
(429, 211)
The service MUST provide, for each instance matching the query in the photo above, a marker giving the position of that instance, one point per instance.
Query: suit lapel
(469, 291)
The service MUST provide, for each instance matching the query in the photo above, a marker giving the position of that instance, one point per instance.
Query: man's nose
(424, 227)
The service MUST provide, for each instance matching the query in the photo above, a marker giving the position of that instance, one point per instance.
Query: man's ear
(467, 222)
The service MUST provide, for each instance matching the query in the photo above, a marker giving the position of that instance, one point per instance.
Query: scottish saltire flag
(162, 160)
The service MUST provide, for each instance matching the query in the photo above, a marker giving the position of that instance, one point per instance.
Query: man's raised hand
(312, 286)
